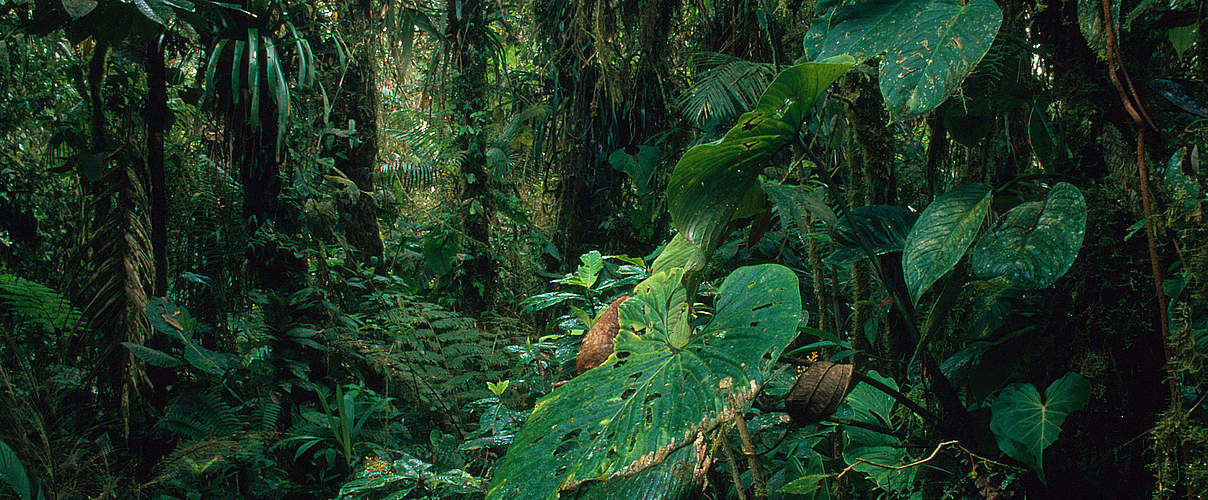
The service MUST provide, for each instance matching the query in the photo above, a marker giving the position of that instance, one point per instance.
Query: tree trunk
(466, 29)
(157, 111)
(358, 158)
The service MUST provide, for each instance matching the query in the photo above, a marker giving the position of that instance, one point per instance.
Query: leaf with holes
(940, 237)
(932, 58)
(1034, 243)
(864, 29)
(1025, 424)
(710, 181)
(649, 399)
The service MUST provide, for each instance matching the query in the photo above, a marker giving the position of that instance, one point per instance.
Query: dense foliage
(367, 249)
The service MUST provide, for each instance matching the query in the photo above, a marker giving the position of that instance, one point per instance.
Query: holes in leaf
(628, 393)
(623, 354)
(651, 397)
(758, 308)
(569, 442)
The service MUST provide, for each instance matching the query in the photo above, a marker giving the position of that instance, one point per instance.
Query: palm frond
(724, 87)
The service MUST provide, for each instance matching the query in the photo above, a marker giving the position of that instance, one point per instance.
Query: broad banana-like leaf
(942, 234)
(1034, 243)
(879, 229)
(934, 55)
(1025, 424)
(650, 398)
(679, 253)
(12, 472)
(710, 181)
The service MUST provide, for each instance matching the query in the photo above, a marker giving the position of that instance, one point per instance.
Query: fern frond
(33, 303)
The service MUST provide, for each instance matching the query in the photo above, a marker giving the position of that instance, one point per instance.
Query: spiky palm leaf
(724, 87)
(122, 270)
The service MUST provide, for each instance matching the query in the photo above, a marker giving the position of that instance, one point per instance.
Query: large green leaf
(942, 234)
(12, 472)
(879, 229)
(649, 398)
(1025, 424)
(944, 43)
(1034, 243)
(871, 406)
(864, 29)
(711, 179)
(679, 252)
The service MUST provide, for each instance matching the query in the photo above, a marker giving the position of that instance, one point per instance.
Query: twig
(900, 467)
(748, 449)
(733, 466)
(1136, 111)
(1140, 117)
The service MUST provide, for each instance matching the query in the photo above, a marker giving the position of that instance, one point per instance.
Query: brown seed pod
(597, 342)
(818, 392)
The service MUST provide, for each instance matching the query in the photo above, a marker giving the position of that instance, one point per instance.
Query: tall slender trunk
(466, 28)
(157, 111)
(358, 160)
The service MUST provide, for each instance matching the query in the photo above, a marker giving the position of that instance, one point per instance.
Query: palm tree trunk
(157, 111)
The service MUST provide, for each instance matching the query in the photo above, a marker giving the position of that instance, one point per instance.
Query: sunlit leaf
(649, 398)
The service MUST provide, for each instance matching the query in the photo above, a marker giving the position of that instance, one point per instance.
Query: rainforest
(603, 249)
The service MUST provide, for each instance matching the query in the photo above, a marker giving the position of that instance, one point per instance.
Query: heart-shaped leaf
(941, 46)
(1036, 242)
(863, 29)
(942, 234)
(1025, 424)
(650, 398)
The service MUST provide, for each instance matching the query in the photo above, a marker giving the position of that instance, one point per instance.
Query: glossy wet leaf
(709, 182)
(865, 29)
(1035, 243)
(1178, 96)
(1025, 423)
(649, 399)
(879, 229)
(942, 45)
(870, 405)
(942, 234)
